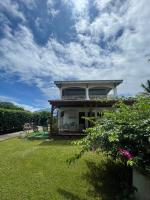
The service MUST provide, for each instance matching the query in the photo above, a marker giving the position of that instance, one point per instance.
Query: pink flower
(125, 153)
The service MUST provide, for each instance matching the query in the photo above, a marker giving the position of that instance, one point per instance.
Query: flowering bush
(123, 133)
(125, 153)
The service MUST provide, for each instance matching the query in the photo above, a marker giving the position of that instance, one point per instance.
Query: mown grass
(35, 170)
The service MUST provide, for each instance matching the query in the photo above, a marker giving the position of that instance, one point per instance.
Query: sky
(46, 40)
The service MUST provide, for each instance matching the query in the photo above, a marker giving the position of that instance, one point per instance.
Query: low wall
(142, 183)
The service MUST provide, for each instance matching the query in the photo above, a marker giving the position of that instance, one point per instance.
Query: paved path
(10, 135)
(16, 134)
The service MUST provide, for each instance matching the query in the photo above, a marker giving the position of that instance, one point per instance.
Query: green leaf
(113, 137)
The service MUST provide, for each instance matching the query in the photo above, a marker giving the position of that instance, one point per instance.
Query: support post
(58, 119)
(115, 91)
(87, 93)
(51, 121)
(60, 93)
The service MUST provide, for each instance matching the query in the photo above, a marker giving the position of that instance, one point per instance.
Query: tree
(146, 87)
(40, 117)
(123, 134)
(44, 115)
(9, 105)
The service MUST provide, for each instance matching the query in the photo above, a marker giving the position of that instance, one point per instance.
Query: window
(99, 91)
(73, 91)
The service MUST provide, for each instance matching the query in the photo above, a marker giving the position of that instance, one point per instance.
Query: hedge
(13, 120)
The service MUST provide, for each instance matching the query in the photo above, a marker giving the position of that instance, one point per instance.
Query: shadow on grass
(53, 142)
(68, 195)
(108, 180)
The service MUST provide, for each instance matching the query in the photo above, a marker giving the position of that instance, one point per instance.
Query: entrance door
(81, 121)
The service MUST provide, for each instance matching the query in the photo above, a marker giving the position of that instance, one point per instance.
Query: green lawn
(34, 170)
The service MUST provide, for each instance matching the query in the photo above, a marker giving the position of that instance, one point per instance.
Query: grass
(34, 170)
(37, 170)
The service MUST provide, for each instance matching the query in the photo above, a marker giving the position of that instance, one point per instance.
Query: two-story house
(80, 99)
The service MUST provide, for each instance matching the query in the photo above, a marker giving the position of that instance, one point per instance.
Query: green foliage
(12, 117)
(41, 118)
(110, 179)
(35, 118)
(44, 115)
(13, 120)
(9, 105)
(123, 134)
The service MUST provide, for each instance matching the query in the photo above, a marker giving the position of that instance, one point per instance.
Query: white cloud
(85, 58)
(51, 10)
(79, 7)
(12, 8)
(101, 4)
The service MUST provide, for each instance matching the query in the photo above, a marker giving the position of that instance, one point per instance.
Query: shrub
(13, 120)
(9, 105)
(41, 118)
(123, 134)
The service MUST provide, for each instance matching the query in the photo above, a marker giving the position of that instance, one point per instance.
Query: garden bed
(38, 135)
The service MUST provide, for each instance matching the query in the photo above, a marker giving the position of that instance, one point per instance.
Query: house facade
(81, 99)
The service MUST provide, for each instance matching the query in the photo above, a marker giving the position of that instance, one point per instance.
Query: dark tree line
(12, 117)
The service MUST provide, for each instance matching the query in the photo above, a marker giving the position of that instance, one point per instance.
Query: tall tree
(9, 105)
(146, 86)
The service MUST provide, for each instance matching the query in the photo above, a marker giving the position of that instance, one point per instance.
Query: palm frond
(148, 83)
(146, 87)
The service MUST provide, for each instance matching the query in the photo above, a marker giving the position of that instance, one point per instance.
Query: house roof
(76, 82)
(87, 103)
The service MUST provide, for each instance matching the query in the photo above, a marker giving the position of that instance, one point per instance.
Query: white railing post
(87, 93)
(60, 93)
(115, 91)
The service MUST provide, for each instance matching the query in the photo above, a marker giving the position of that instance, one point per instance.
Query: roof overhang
(80, 82)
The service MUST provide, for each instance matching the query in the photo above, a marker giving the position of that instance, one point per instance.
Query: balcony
(73, 93)
(76, 93)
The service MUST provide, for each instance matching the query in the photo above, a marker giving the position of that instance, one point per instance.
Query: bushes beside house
(12, 117)
(13, 120)
(9, 105)
(40, 118)
(123, 135)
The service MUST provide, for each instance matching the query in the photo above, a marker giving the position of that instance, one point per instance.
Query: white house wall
(71, 115)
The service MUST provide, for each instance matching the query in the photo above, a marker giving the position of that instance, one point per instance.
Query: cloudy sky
(46, 40)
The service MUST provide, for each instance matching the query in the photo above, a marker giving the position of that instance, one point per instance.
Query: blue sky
(46, 40)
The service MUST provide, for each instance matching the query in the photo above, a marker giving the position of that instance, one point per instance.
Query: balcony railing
(95, 97)
(83, 97)
(74, 97)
